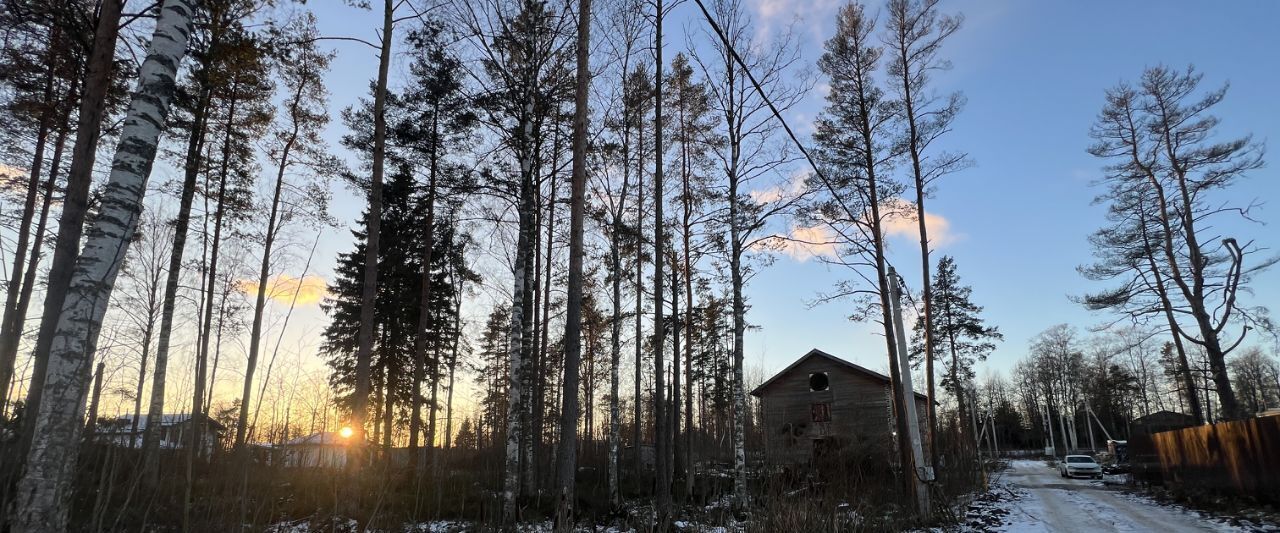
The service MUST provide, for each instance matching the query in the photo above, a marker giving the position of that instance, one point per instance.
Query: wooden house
(823, 405)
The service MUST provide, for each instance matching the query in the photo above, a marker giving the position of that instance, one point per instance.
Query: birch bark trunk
(45, 486)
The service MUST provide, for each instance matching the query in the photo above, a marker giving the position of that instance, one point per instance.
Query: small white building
(326, 449)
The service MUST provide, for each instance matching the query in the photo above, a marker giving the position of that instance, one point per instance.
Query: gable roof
(759, 391)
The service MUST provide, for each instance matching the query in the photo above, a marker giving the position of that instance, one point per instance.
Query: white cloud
(310, 289)
(793, 187)
(803, 243)
(806, 243)
(902, 222)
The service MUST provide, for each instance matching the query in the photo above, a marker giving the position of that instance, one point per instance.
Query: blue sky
(1034, 75)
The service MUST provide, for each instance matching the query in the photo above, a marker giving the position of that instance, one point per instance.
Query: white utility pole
(923, 473)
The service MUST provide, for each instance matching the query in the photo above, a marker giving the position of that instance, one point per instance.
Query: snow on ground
(1031, 497)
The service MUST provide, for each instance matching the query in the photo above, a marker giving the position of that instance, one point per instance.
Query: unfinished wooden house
(823, 405)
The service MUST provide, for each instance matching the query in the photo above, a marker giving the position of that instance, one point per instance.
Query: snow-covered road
(1051, 503)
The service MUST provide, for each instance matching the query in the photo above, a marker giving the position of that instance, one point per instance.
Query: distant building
(822, 405)
(326, 449)
(1143, 458)
(173, 431)
(1161, 421)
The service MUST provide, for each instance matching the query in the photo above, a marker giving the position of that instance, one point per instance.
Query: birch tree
(625, 27)
(45, 486)
(521, 47)
(751, 157)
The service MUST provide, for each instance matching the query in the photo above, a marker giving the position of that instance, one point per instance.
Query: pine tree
(958, 332)
(436, 122)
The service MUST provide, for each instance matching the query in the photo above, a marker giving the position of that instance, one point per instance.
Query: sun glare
(346, 432)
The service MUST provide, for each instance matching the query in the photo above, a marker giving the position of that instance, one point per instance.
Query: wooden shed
(822, 405)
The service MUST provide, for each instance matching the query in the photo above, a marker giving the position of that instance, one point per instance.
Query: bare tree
(1159, 136)
(749, 80)
(141, 302)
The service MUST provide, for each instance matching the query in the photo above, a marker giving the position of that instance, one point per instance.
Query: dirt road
(1051, 503)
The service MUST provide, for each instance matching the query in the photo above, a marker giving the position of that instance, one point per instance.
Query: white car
(1079, 465)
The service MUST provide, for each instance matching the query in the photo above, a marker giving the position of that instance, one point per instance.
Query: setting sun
(346, 432)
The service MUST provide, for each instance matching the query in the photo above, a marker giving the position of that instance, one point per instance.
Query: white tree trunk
(739, 329)
(515, 353)
(45, 486)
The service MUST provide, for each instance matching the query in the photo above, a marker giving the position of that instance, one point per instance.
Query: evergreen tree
(396, 311)
(959, 333)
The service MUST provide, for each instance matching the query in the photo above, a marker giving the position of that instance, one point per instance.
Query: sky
(1017, 222)
(1033, 74)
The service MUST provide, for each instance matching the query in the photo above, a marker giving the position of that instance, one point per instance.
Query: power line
(774, 109)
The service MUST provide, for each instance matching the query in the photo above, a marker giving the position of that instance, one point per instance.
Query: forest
(511, 284)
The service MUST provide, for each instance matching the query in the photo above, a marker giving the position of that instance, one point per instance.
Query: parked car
(1079, 465)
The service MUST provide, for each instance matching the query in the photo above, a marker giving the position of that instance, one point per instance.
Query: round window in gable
(818, 382)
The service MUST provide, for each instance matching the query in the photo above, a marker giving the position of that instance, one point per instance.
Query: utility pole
(995, 446)
(920, 474)
(1048, 423)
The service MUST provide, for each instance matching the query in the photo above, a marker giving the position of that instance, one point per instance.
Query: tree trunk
(1184, 372)
(424, 305)
(94, 403)
(9, 344)
(195, 149)
(615, 348)
(568, 453)
(926, 280)
(638, 399)
(882, 283)
(45, 487)
(663, 462)
(264, 271)
(453, 364)
(677, 459)
(688, 345)
(147, 331)
(516, 346)
(539, 395)
(75, 202)
(11, 324)
(195, 434)
(373, 224)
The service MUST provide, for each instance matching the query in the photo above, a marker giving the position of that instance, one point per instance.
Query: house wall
(861, 420)
(316, 456)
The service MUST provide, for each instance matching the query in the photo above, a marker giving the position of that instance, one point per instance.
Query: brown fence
(1241, 457)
